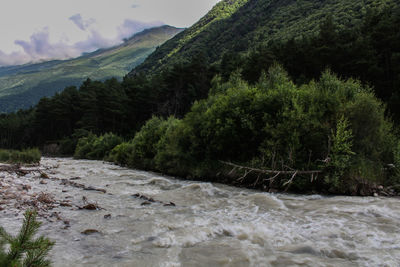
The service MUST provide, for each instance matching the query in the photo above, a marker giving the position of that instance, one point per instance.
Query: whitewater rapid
(210, 224)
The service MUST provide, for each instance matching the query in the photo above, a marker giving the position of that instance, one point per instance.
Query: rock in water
(90, 231)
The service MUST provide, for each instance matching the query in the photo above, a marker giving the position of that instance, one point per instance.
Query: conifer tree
(24, 250)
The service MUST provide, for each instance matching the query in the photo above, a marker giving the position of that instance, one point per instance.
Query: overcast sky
(35, 30)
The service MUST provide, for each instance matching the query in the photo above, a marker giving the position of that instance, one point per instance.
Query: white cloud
(33, 30)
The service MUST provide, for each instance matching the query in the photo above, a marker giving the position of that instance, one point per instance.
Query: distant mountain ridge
(237, 26)
(23, 86)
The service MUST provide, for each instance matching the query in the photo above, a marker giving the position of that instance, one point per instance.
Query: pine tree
(24, 250)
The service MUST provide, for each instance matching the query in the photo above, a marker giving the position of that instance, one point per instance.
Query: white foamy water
(211, 224)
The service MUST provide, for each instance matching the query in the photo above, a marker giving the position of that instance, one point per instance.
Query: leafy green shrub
(84, 146)
(173, 155)
(121, 153)
(145, 142)
(30, 156)
(24, 250)
(4, 155)
(93, 147)
(341, 154)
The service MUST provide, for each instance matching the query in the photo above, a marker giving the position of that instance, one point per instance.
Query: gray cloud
(135, 6)
(15, 58)
(95, 41)
(39, 48)
(130, 27)
(80, 22)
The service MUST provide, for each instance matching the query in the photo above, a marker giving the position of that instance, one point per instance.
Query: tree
(24, 250)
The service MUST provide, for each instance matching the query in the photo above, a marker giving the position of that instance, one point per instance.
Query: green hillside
(23, 86)
(240, 25)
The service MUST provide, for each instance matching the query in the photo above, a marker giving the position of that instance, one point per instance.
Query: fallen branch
(274, 173)
(270, 171)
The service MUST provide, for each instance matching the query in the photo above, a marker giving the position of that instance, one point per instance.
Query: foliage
(144, 145)
(238, 26)
(121, 154)
(24, 250)
(94, 147)
(23, 156)
(312, 127)
(341, 152)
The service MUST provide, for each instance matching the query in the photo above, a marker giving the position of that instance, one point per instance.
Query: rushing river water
(211, 224)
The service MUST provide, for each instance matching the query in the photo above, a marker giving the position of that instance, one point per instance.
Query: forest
(321, 107)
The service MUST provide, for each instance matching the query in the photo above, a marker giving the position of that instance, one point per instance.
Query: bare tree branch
(270, 171)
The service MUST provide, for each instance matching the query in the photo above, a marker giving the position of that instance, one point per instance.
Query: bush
(144, 145)
(84, 146)
(4, 155)
(93, 147)
(25, 156)
(331, 125)
(121, 154)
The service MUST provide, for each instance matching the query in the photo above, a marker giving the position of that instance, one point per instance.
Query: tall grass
(24, 156)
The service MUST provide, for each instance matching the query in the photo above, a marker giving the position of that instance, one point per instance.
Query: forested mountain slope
(240, 25)
(23, 86)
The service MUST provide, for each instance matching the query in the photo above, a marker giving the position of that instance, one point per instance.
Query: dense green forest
(238, 26)
(323, 106)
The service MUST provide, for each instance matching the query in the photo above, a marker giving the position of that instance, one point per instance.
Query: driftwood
(19, 170)
(150, 200)
(247, 170)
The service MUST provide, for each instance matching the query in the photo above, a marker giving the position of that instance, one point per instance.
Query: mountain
(23, 86)
(237, 26)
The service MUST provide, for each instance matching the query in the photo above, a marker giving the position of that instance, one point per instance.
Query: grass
(26, 156)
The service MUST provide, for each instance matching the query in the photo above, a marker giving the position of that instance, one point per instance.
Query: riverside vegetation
(239, 117)
(16, 157)
(331, 126)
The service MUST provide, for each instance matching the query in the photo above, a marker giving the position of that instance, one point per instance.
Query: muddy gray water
(211, 224)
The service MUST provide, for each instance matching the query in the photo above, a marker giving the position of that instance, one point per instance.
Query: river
(210, 224)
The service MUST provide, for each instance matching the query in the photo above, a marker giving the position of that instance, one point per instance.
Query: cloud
(15, 58)
(95, 41)
(80, 22)
(39, 47)
(135, 6)
(130, 27)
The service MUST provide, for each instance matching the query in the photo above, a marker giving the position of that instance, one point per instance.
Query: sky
(38, 30)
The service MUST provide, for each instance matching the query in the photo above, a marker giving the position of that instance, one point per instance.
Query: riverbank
(25, 187)
(279, 181)
(289, 181)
